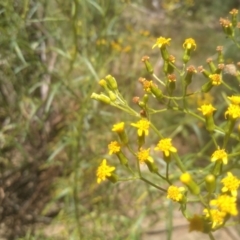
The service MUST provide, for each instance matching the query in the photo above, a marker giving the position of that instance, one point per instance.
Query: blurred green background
(53, 136)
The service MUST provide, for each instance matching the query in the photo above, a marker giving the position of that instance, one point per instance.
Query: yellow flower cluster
(114, 147)
(233, 110)
(175, 193)
(162, 42)
(216, 79)
(165, 145)
(143, 126)
(190, 44)
(220, 155)
(143, 155)
(224, 204)
(207, 109)
(220, 202)
(104, 171)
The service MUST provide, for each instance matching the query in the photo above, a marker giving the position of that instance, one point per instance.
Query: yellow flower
(147, 85)
(143, 126)
(104, 171)
(119, 127)
(143, 155)
(207, 109)
(216, 79)
(166, 146)
(234, 11)
(221, 155)
(175, 193)
(231, 184)
(196, 223)
(225, 204)
(162, 42)
(233, 111)
(234, 100)
(216, 216)
(114, 147)
(190, 44)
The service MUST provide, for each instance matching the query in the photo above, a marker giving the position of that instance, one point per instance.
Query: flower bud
(211, 65)
(220, 68)
(204, 72)
(157, 92)
(190, 71)
(171, 84)
(192, 186)
(210, 182)
(227, 27)
(112, 95)
(112, 83)
(148, 65)
(169, 65)
(101, 97)
(234, 13)
(206, 87)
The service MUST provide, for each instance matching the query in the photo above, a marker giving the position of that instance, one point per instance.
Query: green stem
(152, 184)
(156, 131)
(227, 86)
(211, 236)
(179, 162)
(214, 141)
(167, 174)
(159, 80)
(230, 126)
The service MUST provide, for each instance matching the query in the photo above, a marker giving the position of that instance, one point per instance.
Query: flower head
(234, 100)
(114, 147)
(225, 204)
(104, 171)
(166, 146)
(143, 155)
(119, 127)
(162, 42)
(147, 86)
(175, 193)
(216, 79)
(207, 109)
(225, 23)
(216, 216)
(220, 155)
(231, 184)
(234, 11)
(143, 126)
(233, 111)
(190, 44)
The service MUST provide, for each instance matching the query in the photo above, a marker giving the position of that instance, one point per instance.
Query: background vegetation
(53, 136)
